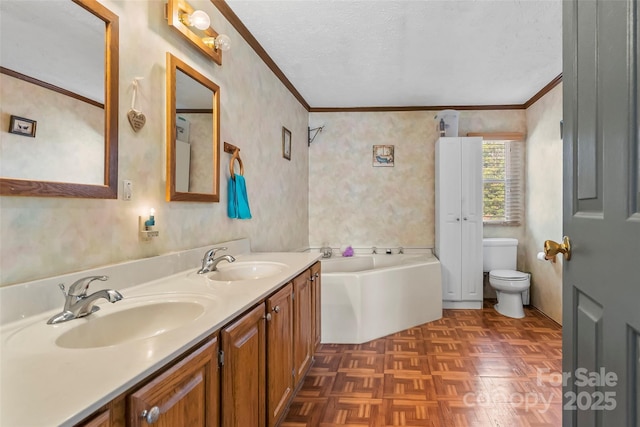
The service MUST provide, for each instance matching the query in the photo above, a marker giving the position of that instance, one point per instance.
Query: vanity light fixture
(194, 25)
(198, 19)
(222, 42)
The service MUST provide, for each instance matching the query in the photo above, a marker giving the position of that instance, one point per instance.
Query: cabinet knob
(152, 415)
(465, 218)
(267, 316)
(276, 309)
(457, 219)
(316, 275)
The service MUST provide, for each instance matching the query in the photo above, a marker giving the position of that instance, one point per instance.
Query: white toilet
(512, 287)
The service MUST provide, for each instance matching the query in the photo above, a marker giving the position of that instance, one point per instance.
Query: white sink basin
(128, 320)
(131, 324)
(249, 270)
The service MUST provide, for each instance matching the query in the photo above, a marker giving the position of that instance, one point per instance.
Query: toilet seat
(509, 275)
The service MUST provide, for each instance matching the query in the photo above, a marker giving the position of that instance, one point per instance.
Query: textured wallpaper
(200, 137)
(67, 129)
(42, 237)
(544, 200)
(354, 203)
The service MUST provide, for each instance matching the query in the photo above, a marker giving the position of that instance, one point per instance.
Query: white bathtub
(370, 296)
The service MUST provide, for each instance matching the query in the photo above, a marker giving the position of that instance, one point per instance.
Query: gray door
(601, 289)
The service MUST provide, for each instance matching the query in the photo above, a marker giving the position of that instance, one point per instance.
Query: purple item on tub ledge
(348, 251)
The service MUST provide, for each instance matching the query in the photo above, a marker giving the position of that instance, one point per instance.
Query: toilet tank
(499, 253)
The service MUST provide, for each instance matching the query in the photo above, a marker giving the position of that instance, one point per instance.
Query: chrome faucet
(78, 304)
(209, 262)
(216, 261)
(326, 251)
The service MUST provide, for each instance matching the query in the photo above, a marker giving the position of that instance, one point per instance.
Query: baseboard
(473, 305)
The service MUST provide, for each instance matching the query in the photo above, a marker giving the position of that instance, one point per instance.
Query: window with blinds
(502, 178)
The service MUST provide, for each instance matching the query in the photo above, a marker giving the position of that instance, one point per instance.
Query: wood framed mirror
(67, 83)
(193, 134)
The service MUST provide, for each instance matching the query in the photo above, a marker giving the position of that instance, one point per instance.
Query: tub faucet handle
(326, 251)
(400, 250)
(374, 250)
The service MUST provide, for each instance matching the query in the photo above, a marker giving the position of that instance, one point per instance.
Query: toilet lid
(508, 274)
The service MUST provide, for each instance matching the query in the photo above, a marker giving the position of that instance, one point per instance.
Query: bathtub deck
(438, 374)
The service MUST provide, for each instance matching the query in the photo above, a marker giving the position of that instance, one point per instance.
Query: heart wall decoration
(137, 119)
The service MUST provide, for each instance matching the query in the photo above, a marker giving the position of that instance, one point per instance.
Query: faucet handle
(212, 252)
(64, 292)
(80, 286)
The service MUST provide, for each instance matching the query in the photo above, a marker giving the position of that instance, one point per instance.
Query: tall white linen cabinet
(459, 196)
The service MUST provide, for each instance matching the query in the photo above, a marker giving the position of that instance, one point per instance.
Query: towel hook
(236, 156)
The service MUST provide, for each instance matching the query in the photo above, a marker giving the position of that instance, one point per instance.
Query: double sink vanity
(228, 347)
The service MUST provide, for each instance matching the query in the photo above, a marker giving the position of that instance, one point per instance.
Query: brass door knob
(551, 249)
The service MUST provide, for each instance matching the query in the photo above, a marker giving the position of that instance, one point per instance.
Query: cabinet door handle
(152, 415)
(267, 316)
(465, 218)
(316, 275)
(457, 219)
(276, 309)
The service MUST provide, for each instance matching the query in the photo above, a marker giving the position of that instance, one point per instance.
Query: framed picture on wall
(286, 143)
(22, 126)
(383, 155)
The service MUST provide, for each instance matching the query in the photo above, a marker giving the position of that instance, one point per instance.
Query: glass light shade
(199, 19)
(223, 42)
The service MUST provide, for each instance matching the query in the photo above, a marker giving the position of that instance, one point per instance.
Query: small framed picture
(383, 155)
(22, 126)
(286, 143)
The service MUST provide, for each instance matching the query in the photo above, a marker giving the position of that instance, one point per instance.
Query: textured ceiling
(376, 53)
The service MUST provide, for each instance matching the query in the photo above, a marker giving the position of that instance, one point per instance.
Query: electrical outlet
(127, 190)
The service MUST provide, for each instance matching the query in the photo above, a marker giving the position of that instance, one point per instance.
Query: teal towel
(232, 205)
(238, 206)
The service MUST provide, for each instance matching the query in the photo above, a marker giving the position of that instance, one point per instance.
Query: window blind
(502, 180)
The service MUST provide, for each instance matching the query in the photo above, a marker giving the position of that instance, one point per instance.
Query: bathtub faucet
(326, 252)
(400, 250)
(374, 250)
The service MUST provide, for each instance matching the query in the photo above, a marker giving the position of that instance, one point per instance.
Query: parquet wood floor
(470, 368)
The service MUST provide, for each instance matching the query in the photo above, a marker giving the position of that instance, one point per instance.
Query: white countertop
(43, 384)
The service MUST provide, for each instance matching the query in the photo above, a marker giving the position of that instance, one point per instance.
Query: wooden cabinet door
(279, 353)
(186, 394)
(316, 292)
(243, 371)
(302, 325)
(103, 419)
